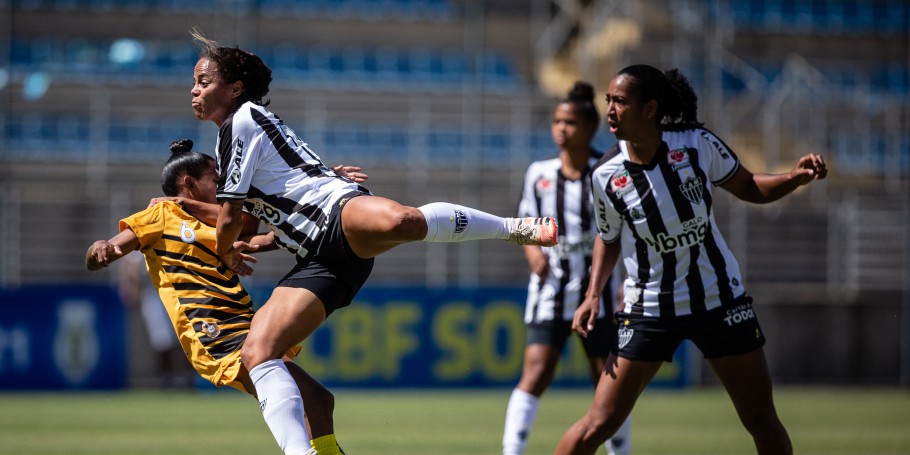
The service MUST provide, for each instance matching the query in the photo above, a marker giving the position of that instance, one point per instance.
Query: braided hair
(235, 65)
(677, 104)
(183, 161)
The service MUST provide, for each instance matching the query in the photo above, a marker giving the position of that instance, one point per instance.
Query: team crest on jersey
(543, 185)
(622, 183)
(625, 334)
(211, 329)
(461, 221)
(692, 189)
(679, 159)
(636, 214)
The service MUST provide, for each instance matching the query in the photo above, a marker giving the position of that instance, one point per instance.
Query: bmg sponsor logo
(694, 234)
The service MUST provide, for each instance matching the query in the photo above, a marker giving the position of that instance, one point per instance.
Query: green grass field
(403, 422)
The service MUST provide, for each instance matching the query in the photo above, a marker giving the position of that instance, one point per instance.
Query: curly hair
(235, 65)
(677, 104)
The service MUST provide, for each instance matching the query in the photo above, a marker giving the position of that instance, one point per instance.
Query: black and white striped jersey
(284, 183)
(676, 259)
(547, 192)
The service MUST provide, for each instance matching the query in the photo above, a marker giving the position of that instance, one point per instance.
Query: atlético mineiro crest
(461, 221)
(625, 334)
(692, 189)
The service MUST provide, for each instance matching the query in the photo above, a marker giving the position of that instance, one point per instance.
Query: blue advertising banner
(452, 337)
(62, 337)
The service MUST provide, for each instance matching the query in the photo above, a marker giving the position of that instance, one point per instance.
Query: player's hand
(585, 316)
(158, 200)
(808, 168)
(102, 253)
(237, 260)
(351, 172)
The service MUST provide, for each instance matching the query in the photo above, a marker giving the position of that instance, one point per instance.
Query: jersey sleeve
(238, 142)
(528, 206)
(720, 162)
(148, 225)
(609, 222)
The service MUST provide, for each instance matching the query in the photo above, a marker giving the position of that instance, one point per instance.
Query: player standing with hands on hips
(561, 186)
(654, 200)
(333, 226)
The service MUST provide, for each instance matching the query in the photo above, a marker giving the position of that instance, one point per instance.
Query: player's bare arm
(103, 252)
(765, 188)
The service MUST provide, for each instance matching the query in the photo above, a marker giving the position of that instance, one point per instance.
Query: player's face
(213, 99)
(569, 130)
(627, 116)
(203, 189)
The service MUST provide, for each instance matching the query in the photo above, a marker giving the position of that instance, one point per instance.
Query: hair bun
(181, 146)
(582, 91)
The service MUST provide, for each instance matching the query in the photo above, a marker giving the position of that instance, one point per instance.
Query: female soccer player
(560, 186)
(654, 202)
(333, 226)
(208, 307)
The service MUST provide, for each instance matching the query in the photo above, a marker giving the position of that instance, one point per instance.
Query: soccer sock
(455, 223)
(520, 416)
(621, 442)
(282, 406)
(326, 445)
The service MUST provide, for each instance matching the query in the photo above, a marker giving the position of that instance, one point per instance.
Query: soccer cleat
(533, 231)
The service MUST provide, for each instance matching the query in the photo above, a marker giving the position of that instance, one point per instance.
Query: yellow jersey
(208, 306)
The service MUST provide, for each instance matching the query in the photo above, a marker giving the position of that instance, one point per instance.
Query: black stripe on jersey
(223, 317)
(228, 344)
(181, 257)
(559, 303)
(225, 136)
(239, 305)
(202, 287)
(225, 283)
(715, 255)
(641, 247)
(586, 207)
(656, 226)
(685, 212)
(195, 244)
(288, 154)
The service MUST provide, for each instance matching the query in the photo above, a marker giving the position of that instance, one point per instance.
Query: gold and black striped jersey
(209, 308)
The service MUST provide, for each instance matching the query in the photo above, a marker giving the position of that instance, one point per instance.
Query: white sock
(282, 406)
(520, 416)
(455, 223)
(621, 442)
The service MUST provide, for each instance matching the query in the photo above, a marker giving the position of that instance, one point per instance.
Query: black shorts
(599, 342)
(334, 273)
(729, 330)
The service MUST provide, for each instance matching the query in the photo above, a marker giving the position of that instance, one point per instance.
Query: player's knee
(254, 353)
(325, 401)
(761, 421)
(601, 425)
(409, 224)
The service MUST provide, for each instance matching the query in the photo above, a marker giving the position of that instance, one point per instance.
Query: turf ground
(374, 422)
